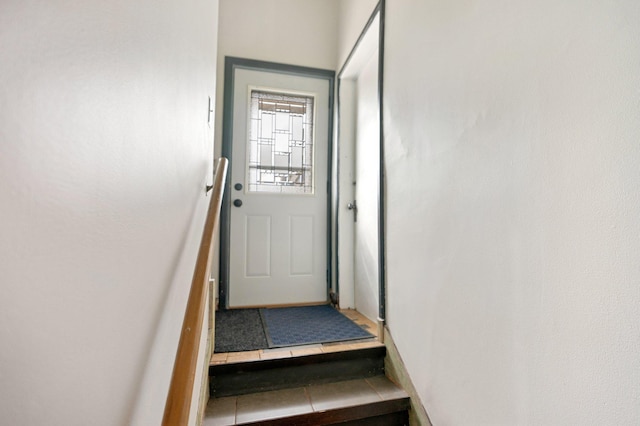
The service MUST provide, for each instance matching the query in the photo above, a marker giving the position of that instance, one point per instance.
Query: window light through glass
(280, 143)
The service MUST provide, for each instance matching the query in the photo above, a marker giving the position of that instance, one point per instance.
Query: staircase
(345, 386)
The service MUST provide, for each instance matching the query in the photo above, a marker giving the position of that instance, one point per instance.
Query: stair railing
(177, 407)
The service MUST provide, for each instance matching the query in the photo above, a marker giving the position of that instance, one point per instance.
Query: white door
(359, 176)
(367, 165)
(278, 221)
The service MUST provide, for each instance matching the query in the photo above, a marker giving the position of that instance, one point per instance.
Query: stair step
(364, 401)
(240, 378)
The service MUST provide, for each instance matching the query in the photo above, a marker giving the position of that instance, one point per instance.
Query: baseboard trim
(397, 372)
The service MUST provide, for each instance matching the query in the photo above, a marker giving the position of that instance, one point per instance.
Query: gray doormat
(239, 330)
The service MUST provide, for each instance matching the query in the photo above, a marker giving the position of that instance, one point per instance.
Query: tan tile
(220, 412)
(341, 394)
(350, 314)
(219, 357)
(307, 351)
(361, 320)
(366, 322)
(372, 325)
(271, 405)
(275, 354)
(333, 343)
(354, 346)
(386, 388)
(367, 344)
(243, 356)
(335, 348)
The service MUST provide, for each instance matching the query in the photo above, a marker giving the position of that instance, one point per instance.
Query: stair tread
(310, 400)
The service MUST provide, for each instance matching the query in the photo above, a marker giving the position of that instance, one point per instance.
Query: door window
(280, 143)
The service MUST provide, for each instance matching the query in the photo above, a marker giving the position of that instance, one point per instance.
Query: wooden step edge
(341, 415)
(265, 364)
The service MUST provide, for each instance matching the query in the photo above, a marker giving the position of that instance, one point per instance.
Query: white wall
(353, 16)
(512, 208)
(286, 31)
(104, 154)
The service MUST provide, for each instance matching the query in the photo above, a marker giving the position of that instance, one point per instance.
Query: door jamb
(380, 8)
(230, 65)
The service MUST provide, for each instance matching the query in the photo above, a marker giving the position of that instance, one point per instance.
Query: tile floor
(295, 351)
(288, 402)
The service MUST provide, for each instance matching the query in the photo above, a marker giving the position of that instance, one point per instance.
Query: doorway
(274, 227)
(358, 206)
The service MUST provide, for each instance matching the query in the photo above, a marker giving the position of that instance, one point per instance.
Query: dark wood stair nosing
(344, 415)
(398, 418)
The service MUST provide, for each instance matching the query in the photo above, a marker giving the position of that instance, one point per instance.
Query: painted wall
(352, 17)
(104, 154)
(285, 31)
(512, 208)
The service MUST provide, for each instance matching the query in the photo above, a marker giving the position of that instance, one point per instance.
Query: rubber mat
(303, 325)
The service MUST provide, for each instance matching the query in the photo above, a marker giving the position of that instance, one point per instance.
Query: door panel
(302, 246)
(367, 189)
(258, 246)
(277, 248)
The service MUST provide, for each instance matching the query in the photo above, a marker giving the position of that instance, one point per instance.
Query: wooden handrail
(176, 410)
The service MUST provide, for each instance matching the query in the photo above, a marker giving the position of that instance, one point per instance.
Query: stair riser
(259, 376)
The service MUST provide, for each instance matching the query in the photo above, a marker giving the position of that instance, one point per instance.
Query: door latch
(353, 206)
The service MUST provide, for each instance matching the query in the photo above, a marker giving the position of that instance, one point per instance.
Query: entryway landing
(304, 350)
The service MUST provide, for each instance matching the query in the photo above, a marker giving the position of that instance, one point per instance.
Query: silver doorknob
(353, 206)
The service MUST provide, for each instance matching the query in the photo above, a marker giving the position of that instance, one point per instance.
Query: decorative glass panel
(280, 143)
